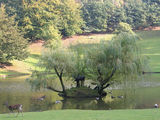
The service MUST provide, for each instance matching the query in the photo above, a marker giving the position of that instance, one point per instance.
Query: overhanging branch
(56, 71)
(106, 86)
(50, 88)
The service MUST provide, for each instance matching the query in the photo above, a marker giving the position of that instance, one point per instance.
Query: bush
(123, 27)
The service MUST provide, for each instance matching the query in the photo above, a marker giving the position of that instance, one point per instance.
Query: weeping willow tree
(104, 64)
(116, 60)
(55, 63)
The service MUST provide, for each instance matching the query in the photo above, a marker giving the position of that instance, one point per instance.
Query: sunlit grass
(27, 65)
(148, 114)
(87, 39)
(150, 45)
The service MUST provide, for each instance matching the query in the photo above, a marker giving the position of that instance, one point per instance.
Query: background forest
(53, 19)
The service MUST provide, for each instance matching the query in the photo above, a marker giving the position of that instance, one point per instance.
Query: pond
(17, 91)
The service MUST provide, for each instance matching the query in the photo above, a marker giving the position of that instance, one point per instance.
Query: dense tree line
(46, 20)
(52, 19)
(105, 15)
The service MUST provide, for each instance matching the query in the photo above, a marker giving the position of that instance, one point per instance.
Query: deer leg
(17, 113)
(10, 112)
(22, 112)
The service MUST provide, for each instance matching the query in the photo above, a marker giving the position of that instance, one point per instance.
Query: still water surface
(17, 91)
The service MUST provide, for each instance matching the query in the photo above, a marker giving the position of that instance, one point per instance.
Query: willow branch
(56, 71)
(108, 79)
(50, 88)
(106, 86)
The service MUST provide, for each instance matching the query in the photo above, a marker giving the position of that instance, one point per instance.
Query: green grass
(150, 45)
(148, 114)
(25, 66)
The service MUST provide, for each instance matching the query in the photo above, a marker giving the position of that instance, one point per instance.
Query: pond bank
(139, 114)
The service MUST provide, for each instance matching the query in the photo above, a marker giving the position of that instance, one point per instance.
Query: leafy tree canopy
(62, 17)
(12, 44)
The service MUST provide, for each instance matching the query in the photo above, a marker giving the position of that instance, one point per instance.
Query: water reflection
(17, 91)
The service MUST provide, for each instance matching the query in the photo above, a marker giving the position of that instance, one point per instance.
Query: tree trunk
(61, 80)
(62, 84)
(104, 82)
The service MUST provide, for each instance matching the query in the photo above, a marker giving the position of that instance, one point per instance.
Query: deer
(17, 107)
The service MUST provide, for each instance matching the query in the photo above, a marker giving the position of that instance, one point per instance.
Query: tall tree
(95, 16)
(12, 43)
(153, 12)
(71, 21)
(117, 60)
(58, 61)
(136, 13)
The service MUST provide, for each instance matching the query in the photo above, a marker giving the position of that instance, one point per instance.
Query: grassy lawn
(25, 66)
(151, 48)
(148, 114)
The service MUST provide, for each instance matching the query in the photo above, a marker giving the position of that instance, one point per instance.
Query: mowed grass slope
(25, 66)
(147, 114)
(150, 45)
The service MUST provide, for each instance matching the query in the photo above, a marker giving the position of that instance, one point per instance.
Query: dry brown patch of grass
(152, 28)
(36, 47)
(86, 39)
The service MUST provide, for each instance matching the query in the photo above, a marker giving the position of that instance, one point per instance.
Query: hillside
(150, 48)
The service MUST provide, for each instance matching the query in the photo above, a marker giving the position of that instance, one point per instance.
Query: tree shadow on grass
(33, 56)
(13, 73)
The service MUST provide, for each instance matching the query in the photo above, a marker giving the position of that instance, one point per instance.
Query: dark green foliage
(95, 16)
(137, 13)
(65, 16)
(153, 14)
(12, 44)
(34, 17)
(70, 21)
(37, 19)
(116, 15)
